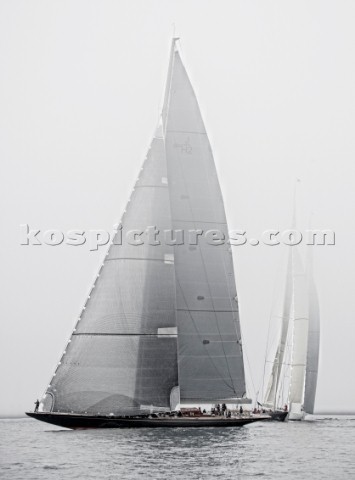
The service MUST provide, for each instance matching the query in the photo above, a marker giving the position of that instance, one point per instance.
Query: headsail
(120, 359)
(210, 354)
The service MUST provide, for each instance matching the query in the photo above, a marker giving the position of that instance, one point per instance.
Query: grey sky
(81, 88)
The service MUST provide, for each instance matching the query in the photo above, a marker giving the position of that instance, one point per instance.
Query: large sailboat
(161, 325)
(291, 388)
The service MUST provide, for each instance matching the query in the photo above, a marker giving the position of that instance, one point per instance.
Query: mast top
(174, 43)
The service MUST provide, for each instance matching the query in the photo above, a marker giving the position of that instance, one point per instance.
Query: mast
(173, 49)
(210, 357)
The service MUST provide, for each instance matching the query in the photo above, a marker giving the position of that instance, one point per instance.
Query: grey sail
(313, 343)
(210, 357)
(122, 355)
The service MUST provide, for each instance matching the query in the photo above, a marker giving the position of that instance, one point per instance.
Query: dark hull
(86, 421)
(278, 416)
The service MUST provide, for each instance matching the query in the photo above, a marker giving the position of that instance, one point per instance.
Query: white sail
(293, 377)
(299, 336)
(313, 342)
(210, 354)
(278, 364)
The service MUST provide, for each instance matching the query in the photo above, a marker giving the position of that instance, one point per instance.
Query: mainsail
(210, 354)
(160, 316)
(278, 364)
(313, 341)
(299, 334)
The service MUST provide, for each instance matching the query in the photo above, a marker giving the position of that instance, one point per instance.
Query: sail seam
(151, 186)
(134, 258)
(205, 310)
(186, 131)
(201, 221)
(127, 334)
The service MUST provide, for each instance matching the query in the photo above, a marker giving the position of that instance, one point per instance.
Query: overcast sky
(81, 87)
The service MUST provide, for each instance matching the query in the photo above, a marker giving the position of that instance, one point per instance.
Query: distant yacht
(291, 388)
(161, 324)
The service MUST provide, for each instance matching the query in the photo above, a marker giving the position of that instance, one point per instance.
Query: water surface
(319, 449)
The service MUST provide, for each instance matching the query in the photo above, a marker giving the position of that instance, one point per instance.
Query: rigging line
(249, 368)
(291, 364)
(284, 328)
(166, 101)
(216, 320)
(267, 351)
(293, 307)
(242, 347)
(236, 319)
(286, 375)
(286, 369)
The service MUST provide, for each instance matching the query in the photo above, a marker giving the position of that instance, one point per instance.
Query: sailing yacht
(291, 388)
(160, 327)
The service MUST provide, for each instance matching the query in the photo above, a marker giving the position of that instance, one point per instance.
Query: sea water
(321, 448)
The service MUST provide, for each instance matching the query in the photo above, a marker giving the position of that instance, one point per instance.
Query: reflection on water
(305, 450)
